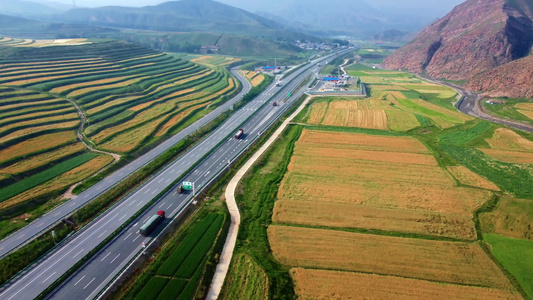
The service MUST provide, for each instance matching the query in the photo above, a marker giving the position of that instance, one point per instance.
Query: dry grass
(258, 79)
(62, 181)
(347, 215)
(451, 262)
(34, 129)
(37, 144)
(467, 177)
(42, 159)
(323, 284)
(250, 74)
(506, 139)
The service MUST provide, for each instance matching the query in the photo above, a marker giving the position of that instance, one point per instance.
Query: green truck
(152, 223)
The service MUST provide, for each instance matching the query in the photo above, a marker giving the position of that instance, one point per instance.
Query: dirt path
(231, 239)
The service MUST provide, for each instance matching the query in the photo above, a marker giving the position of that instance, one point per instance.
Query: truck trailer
(152, 223)
(239, 134)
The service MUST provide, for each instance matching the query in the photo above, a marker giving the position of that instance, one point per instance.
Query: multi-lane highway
(40, 225)
(89, 280)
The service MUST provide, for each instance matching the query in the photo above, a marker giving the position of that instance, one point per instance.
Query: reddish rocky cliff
(475, 37)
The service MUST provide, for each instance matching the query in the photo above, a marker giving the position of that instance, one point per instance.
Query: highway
(94, 276)
(39, 226)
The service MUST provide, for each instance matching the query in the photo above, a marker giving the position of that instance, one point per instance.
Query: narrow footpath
(231, 239)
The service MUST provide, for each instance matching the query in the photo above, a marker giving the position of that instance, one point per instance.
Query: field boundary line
(231, 239)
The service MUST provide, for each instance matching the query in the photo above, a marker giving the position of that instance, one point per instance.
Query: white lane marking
(128, 236)
(115, 258)
(169, 206)
(89, 283)
(106, 256)
(167, 180)
(78, 253)
(102, 233)
(147, 190)
(161, 205)
(122, 217)
(48, 277)
(40, 224)
(131, 202)
(155, 191)
(79, 280)
(136, 238)
(140, 202)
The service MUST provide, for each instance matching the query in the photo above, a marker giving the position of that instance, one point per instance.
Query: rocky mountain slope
(474, 38)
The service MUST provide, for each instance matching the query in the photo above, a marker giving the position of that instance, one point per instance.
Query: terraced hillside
(119, 97)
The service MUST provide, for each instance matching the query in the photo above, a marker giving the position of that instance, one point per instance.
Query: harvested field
(323, 284)
(401, 120)
(442, 117)
(512, 218)
(467, 177)
(60, 182)
(526, 106)
(42, 159)
(198, 59)
(451, 262)
(527, 113)
(258, 79)
(82, 91)
(82, 84)
(37, 144)
(52, 119)
(347, 215)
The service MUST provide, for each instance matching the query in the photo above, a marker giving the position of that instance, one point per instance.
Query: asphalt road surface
(37, 227)
(100, 270)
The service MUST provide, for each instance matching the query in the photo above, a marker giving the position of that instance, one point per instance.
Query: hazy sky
(436, 8)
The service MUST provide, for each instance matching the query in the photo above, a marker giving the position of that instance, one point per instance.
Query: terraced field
(129, 97)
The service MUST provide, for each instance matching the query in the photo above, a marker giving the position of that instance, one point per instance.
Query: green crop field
(516, 256)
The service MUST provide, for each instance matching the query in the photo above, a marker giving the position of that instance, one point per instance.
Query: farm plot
(467, 177)
(373, 114)
(179, 273)
(395, 180)
(512, 218)
(508, 146)
(319, 284)
(450, 262)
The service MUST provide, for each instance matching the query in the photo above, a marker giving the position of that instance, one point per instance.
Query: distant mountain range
(182, 16)
(484, 42)
(23, 28)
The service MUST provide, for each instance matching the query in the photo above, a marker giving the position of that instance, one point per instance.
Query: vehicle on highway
(275, 104)
(239, 134)
(152, 223)
(279, 84)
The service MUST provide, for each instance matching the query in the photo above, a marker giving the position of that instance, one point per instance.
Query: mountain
(22, 8)
(23, 28)
(181, 16)
(475, 37)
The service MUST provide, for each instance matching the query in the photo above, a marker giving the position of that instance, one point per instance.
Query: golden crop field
(177, 118)
(60, 182)
(258, 79)
(467, 177)
(401, 120)
(317, 112)
(347, 215)
(128, 140)
(100, 86)
(395, 179)
(450, 262)
(37, 144)
(508, 146)
(526, 106)
(323, 284)
(42, 159)
(527, 113)
(25, 131)
(231, 86)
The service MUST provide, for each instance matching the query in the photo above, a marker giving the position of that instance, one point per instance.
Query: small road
(231, 239)
(470, 104)
(39, 226)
